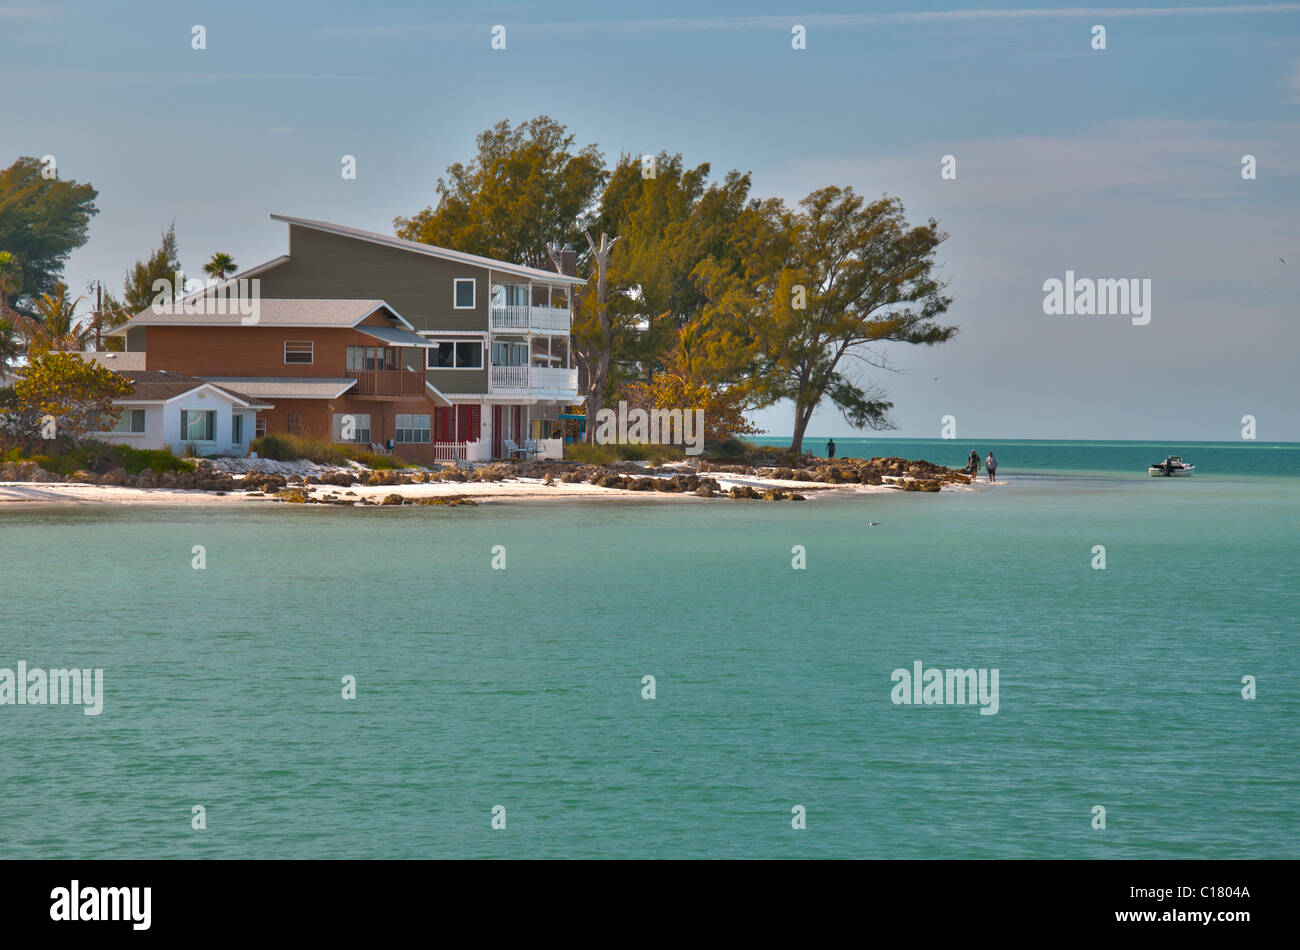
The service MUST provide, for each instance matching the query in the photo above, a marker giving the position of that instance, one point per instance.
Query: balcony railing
(386, 382)
(530, 318)
(534, 379)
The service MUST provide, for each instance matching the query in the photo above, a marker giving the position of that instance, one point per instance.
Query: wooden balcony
(386, 382)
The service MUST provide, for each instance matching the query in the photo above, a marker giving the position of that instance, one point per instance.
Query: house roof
(287, 387)
(396, 336)
(115, 361)
(161, 386)
(272, 312)
(446, 254)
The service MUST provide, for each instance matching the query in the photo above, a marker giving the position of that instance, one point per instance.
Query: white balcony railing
(534, 379)
(530, 318)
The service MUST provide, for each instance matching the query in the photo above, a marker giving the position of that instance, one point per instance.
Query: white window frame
(311, 352)
(398, 428)
(455, 294)
(185, 440)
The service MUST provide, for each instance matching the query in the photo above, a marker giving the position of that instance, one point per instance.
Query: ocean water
(522, 687)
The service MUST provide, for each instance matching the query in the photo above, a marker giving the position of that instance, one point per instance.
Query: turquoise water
(1210, 458)
(522, 687)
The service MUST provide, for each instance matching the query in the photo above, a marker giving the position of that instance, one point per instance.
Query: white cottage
(184, 414)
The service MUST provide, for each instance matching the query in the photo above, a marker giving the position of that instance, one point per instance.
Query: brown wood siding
(317, 421)
(250, 351)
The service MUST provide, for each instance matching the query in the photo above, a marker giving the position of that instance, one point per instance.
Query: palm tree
(55, 326)
(221, 266)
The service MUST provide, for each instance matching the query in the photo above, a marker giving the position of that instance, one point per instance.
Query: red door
(497, 448)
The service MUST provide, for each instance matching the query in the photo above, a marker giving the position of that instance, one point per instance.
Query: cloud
(835, 20)
(14, 12)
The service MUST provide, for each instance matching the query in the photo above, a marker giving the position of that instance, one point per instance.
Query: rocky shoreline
(335, 486)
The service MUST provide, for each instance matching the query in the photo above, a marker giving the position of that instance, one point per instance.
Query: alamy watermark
(193, 297)
(936, 687)
(56, 687)
(655, 426)
(1127, 296)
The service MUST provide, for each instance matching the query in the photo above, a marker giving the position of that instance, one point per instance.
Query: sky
(1122, 163)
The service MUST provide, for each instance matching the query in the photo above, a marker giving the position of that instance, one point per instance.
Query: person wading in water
(973, 463)
(991, 464)
(830, 448)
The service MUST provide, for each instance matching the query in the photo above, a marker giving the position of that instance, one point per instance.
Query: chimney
(569, 261)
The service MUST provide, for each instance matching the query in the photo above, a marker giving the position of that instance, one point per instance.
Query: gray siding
(325, 266)
(458, 380)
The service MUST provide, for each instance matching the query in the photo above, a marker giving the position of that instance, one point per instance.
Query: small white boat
(1172, 465)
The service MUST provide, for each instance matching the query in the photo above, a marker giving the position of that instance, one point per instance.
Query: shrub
(292, 448)
(618, 452)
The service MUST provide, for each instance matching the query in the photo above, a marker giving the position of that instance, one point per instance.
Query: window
(550, 351)
(371, 357)
(464, 293)
(131, 420)
(412, 428)
(295, 423)
(456, 354)
(351, 427)
(509, 353)
(237, 429)
(298, 352)
(469, 354)
(259, 427)
(198, 425)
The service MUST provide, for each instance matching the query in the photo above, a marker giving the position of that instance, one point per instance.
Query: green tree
(55, 325)
(163, 264)
(526, 186)
(816, 289)
(75, 393)
(42, 221)
(221, 266)
(11, 280)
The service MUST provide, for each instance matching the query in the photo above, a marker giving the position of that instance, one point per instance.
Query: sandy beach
(33, 494)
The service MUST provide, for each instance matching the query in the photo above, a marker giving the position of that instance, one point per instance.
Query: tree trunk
(800, 425)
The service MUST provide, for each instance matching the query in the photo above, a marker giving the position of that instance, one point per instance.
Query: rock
(81, 476)
(705, 490)
(294, 496)
(393, 499)
(40, 475)
(8, 472)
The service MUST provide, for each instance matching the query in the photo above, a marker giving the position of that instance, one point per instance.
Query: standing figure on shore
(973, 463)
(991, 464)
(830, 448)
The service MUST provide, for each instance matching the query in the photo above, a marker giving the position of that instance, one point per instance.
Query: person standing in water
(991, 464)
(973, 463)
(830, 448)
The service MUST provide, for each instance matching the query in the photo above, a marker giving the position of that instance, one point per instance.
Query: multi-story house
(361, 337)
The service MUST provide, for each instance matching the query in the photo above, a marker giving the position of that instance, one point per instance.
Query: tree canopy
(526, 186)
(42, 221)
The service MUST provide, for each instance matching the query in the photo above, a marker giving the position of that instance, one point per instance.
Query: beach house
(360, 337)
(182, 413)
